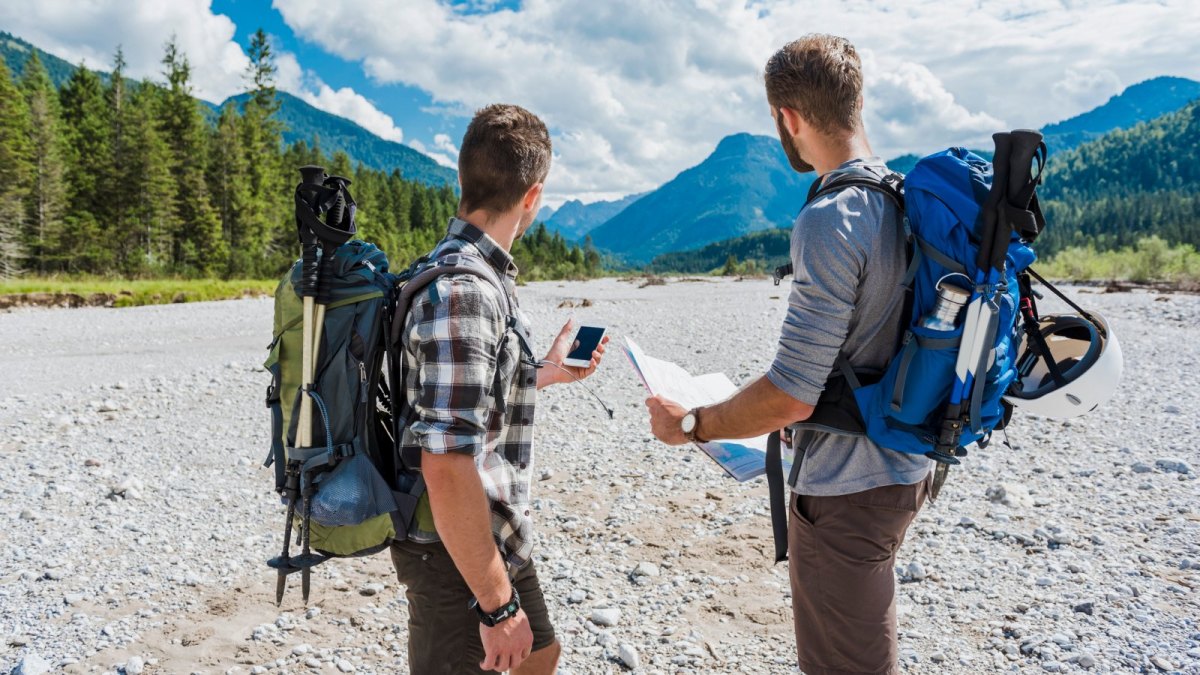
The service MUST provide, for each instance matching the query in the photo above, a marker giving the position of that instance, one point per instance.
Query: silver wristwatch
(690, 423)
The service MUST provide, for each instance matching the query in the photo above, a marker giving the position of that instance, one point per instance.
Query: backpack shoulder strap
(426, 270)
(890, 185)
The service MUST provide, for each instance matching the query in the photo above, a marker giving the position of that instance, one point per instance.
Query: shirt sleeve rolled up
(455, 334)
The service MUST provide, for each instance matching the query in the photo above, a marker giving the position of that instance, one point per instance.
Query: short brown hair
(505, 151)
(820, 77)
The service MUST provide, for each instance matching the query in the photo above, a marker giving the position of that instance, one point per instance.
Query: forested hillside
(107, 177)
(1127, 185)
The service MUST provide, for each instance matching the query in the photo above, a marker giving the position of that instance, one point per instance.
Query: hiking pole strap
(1030, 321)
(778, 495)
(1061, 296)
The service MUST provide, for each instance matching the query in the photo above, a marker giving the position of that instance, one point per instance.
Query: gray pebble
(629, 656)
(608, 616)
(1169, 464)
(32, 664)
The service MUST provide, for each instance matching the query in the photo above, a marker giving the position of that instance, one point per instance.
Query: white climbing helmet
(1089, 359)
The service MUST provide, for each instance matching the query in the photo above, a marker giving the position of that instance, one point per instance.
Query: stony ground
(136, 513)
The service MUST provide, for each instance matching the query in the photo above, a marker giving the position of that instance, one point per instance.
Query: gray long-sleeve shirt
(848, 252)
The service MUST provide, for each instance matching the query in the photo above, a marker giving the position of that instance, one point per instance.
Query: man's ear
(792, 121)
(530, 200)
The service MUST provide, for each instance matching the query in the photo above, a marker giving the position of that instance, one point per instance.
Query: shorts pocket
(797, 510)
(904, 498)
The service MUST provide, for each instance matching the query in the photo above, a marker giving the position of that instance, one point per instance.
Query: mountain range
(1139, 103)
(574, 219)
(302, 122)
(745, 185)
(1109, 192)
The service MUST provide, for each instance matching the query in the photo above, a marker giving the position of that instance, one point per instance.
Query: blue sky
(635, 91)
(405, 104)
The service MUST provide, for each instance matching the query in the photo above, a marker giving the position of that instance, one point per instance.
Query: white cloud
(908, 102)
(636, 91)
(90, 32)
(354, 106)
(69, 30)
(1087, 89)
(439, 157)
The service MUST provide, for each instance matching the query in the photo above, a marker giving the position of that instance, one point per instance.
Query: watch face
(689, 423)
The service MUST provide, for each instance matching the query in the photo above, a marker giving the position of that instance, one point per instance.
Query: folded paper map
(743, 459)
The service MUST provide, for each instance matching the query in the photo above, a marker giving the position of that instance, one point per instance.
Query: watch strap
(505, 612)
(693, 435)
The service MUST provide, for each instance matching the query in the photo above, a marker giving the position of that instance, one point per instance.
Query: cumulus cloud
(439, 157)
(89, 32)
(635, 91)
(910, 107)
(68, 29)
(1087, 89)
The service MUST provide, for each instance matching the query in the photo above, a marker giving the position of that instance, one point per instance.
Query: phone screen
(589, 338)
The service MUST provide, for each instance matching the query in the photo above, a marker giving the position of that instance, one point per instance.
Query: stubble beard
(789, 148)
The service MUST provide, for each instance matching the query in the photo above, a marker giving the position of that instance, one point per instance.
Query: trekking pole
(309, 281)
(283, 564)
(975, 328)
(309, 277)
(334, 218)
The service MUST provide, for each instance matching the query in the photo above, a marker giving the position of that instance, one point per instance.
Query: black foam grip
(324, 290)
(997, 195)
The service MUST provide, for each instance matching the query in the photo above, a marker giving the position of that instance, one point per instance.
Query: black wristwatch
(507, 611)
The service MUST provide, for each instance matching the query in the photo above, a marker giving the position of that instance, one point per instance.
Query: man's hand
(563, 344)
(666, 420)
(506, 644)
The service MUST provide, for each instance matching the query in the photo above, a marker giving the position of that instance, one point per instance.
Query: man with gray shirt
(852, 501)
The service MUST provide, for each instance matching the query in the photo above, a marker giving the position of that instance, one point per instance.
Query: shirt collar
(491, 251)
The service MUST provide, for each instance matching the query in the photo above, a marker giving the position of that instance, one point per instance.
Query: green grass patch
(1151, 260)
(126, 293)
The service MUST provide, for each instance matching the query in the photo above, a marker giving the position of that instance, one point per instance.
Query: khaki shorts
(443, 634)
(842, 555)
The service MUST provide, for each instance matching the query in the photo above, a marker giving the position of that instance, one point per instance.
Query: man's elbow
(799, 411)
(790, 407)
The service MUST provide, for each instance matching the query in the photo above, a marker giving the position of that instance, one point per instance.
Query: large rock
(608, 616)
(32, 664)
(1012, 495)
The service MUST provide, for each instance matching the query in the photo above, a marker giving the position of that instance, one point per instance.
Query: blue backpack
(969, 223)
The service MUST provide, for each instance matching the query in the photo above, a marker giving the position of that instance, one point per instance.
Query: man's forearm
(464, 523)
(756, 410)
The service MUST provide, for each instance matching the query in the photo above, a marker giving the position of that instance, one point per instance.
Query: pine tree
(123, 200)
(197, 245)
(15, 172)
(258, 202)
(151, 218)
(47, 193)
(84, 244)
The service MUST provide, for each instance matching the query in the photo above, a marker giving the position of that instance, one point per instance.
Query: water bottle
(944, 316)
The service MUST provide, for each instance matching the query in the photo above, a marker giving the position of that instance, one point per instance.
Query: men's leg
(544, 658)
(443, 634)
(842, 553)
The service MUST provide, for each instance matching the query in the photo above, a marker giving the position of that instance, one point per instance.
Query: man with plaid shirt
(475, 603)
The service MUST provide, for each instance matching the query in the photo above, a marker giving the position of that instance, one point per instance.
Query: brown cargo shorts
(842, 556)
(443, 634)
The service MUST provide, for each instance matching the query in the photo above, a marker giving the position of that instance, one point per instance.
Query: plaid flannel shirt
(471, 391)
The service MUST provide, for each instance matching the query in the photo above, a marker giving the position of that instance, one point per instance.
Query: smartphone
(589, 338)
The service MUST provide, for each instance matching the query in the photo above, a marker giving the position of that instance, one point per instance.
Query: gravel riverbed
(137, 515)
